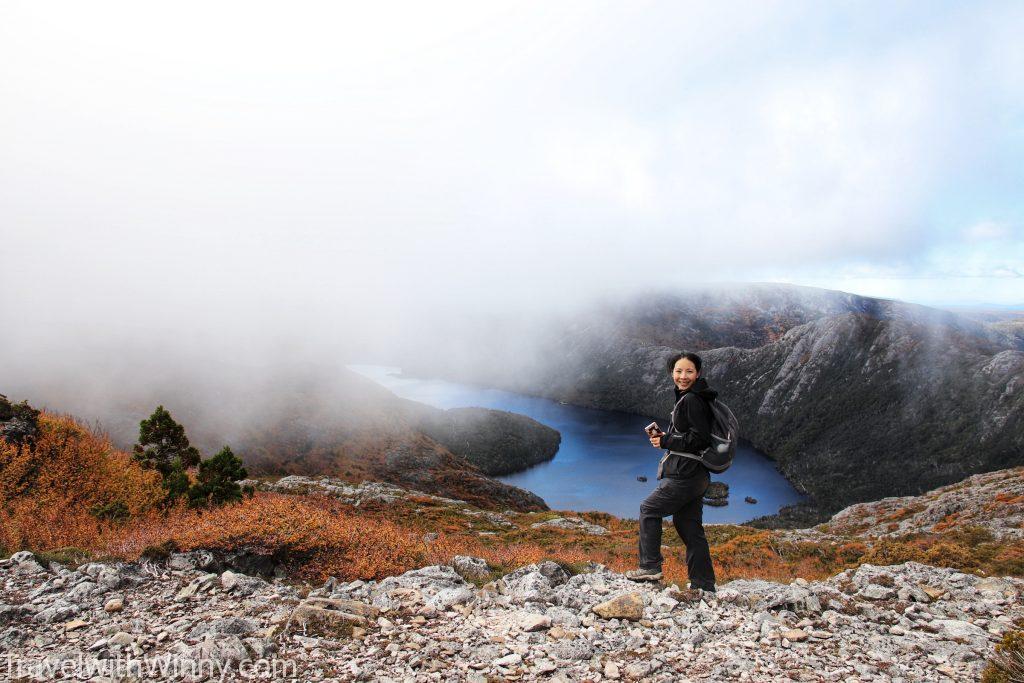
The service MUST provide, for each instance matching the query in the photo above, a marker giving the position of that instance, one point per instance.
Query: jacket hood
(700, 387)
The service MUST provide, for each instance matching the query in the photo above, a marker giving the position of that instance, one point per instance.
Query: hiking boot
(643, 575)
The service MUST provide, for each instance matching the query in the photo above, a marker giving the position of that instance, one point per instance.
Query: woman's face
(684, 374)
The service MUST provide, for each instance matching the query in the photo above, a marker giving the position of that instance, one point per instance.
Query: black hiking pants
(683, 499)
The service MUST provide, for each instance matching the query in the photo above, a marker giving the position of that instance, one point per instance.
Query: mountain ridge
(818, 353)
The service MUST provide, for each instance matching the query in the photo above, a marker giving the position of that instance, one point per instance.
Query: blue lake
(601, 455)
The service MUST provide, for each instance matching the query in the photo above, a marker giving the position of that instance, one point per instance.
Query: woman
(682, 481)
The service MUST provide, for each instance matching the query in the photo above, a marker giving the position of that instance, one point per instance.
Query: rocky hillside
(888, 398)
(884, 406)
(189, 618)
(497, 441)
(993, 501)
(1004, 323)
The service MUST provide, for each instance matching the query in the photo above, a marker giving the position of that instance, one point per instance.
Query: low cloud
(245, 179)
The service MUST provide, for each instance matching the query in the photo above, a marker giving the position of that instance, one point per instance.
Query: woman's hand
(656, 439)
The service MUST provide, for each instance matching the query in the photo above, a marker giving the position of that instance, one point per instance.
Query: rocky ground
(121, 621)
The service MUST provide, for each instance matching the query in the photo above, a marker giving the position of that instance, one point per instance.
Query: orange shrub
(945, 554)
(46, 493)
(71, 466)
(949, 521)
(1009, 560)
(887, 551)
(317, 536)
(27, 524)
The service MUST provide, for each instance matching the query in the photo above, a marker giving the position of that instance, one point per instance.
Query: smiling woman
(682, 481)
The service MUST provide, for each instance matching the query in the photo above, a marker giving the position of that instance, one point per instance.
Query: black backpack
(725, 431)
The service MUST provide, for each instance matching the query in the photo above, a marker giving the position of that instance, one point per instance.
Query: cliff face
(855, 408)
(856, 398)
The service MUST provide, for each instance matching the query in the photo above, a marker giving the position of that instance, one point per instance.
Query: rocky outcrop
(19, 422)
(572, 524)
(992, 501)
(370, 492)
(356, 494)
(907, 622)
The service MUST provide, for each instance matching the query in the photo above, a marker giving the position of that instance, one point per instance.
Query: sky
(233, 170)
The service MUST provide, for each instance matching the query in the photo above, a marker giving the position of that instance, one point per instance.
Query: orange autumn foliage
(70, 465)
(47, 500)
(315, 536)
(46, 492)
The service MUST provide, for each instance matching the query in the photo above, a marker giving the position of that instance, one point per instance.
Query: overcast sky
(296, 165)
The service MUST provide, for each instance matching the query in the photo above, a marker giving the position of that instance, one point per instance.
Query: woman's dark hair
(692, 357)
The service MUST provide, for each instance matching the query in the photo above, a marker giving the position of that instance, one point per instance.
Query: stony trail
(908, 622)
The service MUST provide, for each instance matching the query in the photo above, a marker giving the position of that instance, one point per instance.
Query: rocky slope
(883, 406)
(190, 619)
(890, 398)
(233, 615)
(1004, 323)
(992, 501)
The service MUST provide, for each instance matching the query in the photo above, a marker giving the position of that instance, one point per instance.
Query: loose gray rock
(471, 568)
(629, 606)
(241, 584)
(876, 592)
(228, 626)
(196, 559)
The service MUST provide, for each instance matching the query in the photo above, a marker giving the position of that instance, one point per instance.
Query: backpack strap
(672, 415)
(672, 419)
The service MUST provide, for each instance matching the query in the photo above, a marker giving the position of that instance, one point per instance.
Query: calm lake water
(601, 455)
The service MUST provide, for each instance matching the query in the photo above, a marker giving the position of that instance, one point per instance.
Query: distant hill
(330, 421)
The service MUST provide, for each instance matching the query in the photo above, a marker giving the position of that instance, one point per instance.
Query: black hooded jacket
(692, 419)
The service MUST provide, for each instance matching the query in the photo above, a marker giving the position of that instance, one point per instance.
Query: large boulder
(326, 617)
(533, 583)
(629, 606)
(471, 568)
(438, 586)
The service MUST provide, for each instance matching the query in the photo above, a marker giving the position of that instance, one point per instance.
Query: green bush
(217, 482)
(159, 553)
(175, 482)
(116, 511)
(163, 445)
(69, 556)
